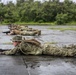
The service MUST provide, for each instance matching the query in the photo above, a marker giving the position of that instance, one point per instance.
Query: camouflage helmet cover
(17, 38)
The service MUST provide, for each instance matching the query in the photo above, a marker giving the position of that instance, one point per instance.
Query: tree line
(36, 11)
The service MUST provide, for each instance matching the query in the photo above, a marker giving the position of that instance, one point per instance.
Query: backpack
(33, 41)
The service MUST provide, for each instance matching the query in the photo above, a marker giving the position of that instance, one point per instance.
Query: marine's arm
(10, 52)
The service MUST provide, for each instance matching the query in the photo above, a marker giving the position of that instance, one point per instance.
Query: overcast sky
(5, 1)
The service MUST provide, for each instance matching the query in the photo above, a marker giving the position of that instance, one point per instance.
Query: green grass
(71, 23)
(30, 23)
(50, 43)
(63, 29)
(7, 43)
(34, 23)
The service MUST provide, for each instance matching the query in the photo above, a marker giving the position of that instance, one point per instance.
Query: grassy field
(73, 23)
(63, 28)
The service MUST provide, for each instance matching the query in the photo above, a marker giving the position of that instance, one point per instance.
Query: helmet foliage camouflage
(17, 38)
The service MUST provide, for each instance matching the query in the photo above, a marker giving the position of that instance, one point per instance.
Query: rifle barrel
(6, 32)
(1, 50)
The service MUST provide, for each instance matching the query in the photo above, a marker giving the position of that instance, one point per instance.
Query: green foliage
(63, 29)
(62, 18)
(51, 11)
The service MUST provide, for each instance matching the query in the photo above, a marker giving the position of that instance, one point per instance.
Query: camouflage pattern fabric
(31, 49)
(23, 28)
(25, 48)
(24, 32)
(27, 33)
(60, 51)
(12, 51)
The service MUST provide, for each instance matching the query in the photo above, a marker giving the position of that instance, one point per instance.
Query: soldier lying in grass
(33, 47)
(24, 32)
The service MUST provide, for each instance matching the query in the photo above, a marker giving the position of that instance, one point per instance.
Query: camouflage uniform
(24, 32)
(30, 48)
(25, 48)
(23, 28)
(60, 51)
(30, 33)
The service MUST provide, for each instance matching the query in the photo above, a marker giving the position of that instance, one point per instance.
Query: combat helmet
(17, 38)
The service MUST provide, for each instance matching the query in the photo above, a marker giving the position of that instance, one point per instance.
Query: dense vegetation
(52, 11)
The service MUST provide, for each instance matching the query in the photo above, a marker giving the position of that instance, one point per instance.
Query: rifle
(6, 32)
(1, 50)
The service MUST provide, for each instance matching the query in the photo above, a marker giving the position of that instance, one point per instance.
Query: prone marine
(22, 30)
(34, 47)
